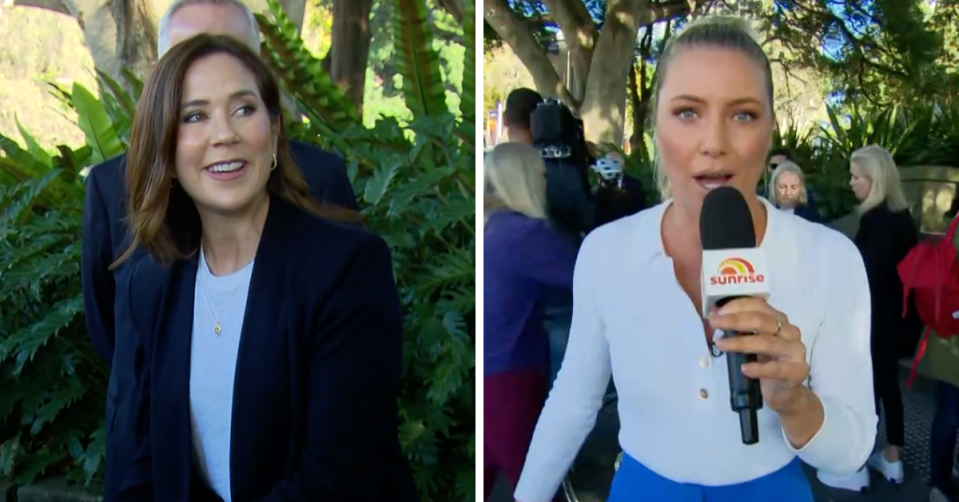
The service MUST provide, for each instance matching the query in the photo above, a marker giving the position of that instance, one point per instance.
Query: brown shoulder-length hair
(162, 218)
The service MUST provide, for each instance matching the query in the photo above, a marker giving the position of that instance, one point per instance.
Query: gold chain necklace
(216, 318)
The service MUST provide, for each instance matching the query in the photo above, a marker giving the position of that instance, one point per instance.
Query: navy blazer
(105, 237)
(808, 213)
(317, 375)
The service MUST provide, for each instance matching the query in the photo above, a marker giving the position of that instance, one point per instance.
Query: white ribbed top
(631, 319)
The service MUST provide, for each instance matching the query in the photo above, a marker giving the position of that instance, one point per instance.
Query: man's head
(187, 18)
(520, 105)
(777, 156)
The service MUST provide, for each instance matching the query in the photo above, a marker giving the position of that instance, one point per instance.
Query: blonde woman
(789, 191)
(886, 234)
(526, 262)
(637, 313)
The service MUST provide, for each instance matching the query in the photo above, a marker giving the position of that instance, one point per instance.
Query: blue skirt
(635, 483)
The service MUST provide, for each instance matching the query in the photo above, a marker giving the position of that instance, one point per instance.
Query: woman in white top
(637, 302)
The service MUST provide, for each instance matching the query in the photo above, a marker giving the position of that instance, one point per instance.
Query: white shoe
(936, 495)
(857, 481)
(890, 470)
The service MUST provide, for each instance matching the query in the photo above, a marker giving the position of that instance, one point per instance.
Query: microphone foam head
(725, 221)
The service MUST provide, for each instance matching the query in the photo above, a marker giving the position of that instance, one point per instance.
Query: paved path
(593, 470)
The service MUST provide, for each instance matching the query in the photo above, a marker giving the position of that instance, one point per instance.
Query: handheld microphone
(733, 267)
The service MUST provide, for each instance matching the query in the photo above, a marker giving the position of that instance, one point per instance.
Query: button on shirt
(632, 319)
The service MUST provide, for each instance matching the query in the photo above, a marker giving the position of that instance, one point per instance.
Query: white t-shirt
(213, 368)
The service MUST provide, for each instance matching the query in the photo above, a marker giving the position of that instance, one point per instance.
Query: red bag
(930, 271)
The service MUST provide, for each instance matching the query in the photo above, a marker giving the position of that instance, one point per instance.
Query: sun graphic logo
(735, 271)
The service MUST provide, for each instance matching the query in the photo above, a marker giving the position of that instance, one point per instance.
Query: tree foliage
(871, 53)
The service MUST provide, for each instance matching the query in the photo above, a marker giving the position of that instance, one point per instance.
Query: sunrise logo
(735, 271)
(736, 266)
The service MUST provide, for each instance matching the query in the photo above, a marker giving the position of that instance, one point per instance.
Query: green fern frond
(417, 60)
(23, 344)
(302, 73)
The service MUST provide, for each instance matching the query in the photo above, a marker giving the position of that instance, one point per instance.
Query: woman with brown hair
(270, 332)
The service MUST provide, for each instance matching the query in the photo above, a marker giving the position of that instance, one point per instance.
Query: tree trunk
(600, 62)
(640, 91)
(636, 138)
(350, 47)
(604, 105)
(136, 36)
(579, 32)
(121, 34)
(512, 30)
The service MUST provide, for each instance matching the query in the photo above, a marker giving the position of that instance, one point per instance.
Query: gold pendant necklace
(206, 292)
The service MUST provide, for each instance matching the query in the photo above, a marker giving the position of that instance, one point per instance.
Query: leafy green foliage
(415, 183)
(419, 194)
(52, 382)
(921, 135)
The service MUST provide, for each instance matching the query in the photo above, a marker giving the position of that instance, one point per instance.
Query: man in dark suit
(105, 235)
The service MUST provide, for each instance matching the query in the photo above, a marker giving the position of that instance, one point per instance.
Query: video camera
(573, 206)
(557, 133)
(559, 137)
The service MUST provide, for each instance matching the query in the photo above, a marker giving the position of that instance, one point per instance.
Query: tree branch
(54, 5)
(515, 33)
(580, 35)
(670, 10)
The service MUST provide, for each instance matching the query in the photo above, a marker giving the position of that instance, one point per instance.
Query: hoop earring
(274, 163)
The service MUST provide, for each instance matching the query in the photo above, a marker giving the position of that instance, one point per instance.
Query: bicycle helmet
(608, 168)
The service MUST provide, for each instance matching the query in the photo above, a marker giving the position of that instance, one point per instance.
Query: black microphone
(733, 268)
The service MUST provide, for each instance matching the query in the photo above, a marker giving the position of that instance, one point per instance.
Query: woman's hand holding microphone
(781, 367)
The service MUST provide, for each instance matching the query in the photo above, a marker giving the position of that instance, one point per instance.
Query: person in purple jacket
(526, 262)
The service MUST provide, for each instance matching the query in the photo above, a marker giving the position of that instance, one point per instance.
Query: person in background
(520, 105)
(105, 235)
(639, 313)
(942, 361)
(886, 234)
(563, 184)
(789, 191)
(261, 376)
(618, 194)
(526, 262)
(776, 157)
